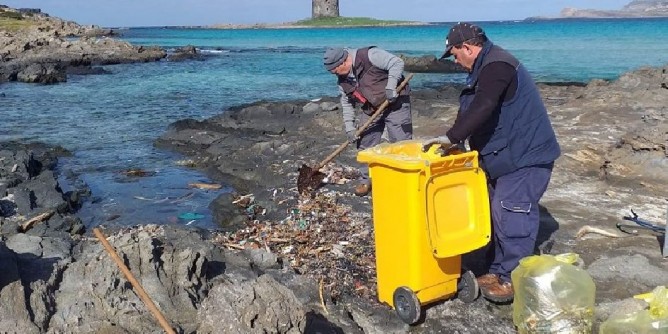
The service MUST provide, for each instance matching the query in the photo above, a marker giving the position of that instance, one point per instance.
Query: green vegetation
(10, 15)
(12, 21)
(347, 22)
(12, 24)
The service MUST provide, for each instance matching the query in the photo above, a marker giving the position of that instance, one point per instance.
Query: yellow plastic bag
(658, 303)
(552, 295)
(653, 320)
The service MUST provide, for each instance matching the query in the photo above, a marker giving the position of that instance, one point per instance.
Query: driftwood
(206, 186)
(34, 220)
(322, 300)
(233, 246)
(590, 229)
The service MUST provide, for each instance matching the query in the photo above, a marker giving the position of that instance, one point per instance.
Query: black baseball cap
(460, 33)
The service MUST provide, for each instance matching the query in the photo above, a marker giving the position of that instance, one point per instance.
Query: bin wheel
(468, 289)
(407, 305)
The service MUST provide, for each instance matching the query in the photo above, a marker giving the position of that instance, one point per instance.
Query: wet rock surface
(187, 52)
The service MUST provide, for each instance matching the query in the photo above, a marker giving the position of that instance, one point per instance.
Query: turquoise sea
(110, 121)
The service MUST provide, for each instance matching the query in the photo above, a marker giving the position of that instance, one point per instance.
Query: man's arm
(348, 111)
(389, 62)
(497, 83)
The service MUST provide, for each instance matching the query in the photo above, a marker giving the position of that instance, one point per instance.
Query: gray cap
(334, 57)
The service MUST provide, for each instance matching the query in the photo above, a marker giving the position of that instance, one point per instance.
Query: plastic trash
(552, 295)
(191, 215)
(649, 321)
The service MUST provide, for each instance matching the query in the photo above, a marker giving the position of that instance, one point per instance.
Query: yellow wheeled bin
(429, 208)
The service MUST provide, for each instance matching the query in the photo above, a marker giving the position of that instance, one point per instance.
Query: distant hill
(637, 8)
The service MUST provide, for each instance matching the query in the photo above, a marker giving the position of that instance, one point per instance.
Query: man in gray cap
(503, 116)
(366, 78)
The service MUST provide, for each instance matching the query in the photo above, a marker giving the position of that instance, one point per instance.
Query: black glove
(352, 137)
(391, 95)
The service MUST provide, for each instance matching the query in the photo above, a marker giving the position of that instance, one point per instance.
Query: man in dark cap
(366, 78)
(503, 116)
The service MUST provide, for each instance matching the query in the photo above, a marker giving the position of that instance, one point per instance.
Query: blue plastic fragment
(191, 215)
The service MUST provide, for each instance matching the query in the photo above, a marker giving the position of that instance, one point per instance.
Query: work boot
(362, 189)
(499, 292)
(487, 279)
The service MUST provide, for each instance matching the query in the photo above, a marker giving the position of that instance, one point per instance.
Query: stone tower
(325, 8)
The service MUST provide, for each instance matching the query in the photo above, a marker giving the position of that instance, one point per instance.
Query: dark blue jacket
(519, 133)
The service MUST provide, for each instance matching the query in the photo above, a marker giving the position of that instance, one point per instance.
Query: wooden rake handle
(135, 284)
(364, 126)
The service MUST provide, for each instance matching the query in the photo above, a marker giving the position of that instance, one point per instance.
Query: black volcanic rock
(430, 64)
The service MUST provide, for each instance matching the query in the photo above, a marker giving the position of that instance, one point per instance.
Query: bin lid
(457, 212)
(405, 154)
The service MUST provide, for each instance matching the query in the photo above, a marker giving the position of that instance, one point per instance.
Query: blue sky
(205, 12)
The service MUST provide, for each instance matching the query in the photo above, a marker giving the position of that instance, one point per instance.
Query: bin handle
(465, 159)
(457, 160)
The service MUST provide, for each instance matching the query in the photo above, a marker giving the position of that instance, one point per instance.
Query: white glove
(443, 140)
(352, 137)
(391, 95)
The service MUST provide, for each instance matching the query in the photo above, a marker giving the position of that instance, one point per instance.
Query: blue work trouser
(515, 216)
(396, 119)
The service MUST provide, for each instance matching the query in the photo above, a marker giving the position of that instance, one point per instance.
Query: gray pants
(396, 119)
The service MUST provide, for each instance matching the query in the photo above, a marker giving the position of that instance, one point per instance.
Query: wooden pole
(138, 288)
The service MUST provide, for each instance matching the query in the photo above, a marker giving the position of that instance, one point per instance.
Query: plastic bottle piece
(570, 258)
(552, 295)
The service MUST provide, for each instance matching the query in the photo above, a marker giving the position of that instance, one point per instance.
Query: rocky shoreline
(49, 49)
(268, 276)
(634, 9)
(287, 264)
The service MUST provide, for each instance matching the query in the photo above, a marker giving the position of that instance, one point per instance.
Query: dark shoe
(487, 280)
(498, 292)
(362, 189)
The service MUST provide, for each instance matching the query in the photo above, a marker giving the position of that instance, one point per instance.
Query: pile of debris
(320, 237)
